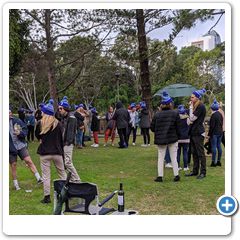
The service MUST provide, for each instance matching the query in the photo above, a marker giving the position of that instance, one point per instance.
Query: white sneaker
(133, 144)
(149, 145)
(113, 144)
(179, 168)
(186, 169)
(96, 145)
(168, 165)
(144, 145)
(104, 144)
(93, 145)
(17, 187)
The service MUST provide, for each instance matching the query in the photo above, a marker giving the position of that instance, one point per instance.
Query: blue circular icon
(227, 205)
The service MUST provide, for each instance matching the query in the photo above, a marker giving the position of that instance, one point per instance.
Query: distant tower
(208, 41)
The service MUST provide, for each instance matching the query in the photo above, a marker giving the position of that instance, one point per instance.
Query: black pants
(146, 135)
(123, 137)
(134, 130)
(199, 159)
(30, 133)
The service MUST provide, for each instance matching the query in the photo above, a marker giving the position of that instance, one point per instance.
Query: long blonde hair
(196, 104)
(48, 122)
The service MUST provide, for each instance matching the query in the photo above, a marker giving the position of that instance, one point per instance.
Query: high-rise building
(208, 41)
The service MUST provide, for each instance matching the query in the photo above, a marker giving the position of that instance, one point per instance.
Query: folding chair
(81, 198)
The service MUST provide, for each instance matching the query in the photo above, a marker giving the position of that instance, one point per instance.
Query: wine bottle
(121, 199)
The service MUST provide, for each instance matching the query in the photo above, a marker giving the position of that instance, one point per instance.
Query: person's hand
(17, 132)
(190, 104)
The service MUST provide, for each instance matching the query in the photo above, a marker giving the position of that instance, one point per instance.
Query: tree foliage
(18, 44)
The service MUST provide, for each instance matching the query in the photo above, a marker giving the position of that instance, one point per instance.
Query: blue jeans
(79, 137)
(184, 147)
(216, 145)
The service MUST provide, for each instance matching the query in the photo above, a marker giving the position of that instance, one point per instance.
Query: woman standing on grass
(49, 133)
(215, 134)
(110, 129)
(144, 124)
(165, 125)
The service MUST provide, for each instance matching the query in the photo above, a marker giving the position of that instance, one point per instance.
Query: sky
(187, 36)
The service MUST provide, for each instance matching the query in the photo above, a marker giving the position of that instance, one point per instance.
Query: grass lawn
(136, 167)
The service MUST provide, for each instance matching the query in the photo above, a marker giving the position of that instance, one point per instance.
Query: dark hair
(166, 106)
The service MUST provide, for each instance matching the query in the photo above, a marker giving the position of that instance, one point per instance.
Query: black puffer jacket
(121, 116)
(166, 125)
(144, 119)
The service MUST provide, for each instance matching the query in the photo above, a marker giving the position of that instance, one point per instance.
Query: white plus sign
(227, 205)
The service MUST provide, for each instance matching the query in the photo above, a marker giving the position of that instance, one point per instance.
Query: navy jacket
(21, 136)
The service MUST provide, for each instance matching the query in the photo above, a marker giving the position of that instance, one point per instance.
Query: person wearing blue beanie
(18, 147)
(184, 140)
(166, 99)
(69, 123)
(48, 108)
(215, 133)
(166, 126)
(197, 113)
(215, 105)
(49, 133)
(64, 103)
(144, 123)
(133, 123)
(181, 109)
(199, 93)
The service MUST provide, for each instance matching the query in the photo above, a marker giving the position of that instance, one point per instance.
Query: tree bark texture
(50, 57)
(143, 59)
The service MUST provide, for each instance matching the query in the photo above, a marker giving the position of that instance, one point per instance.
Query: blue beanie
(41, 104)
(166, 99)
(181, 109)
(199, 93)
(80, 105)
(215, 105)
(64, 103)
(48, 108)
(132, 105)
(93, 110)
(143, 104)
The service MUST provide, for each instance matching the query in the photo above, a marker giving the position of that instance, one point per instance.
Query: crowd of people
(175, 131)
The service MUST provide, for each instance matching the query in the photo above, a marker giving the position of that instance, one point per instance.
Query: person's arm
(152, 126)
(24, 130)
(178, 125)
(211, 126)
(71, 130)
(192, 117)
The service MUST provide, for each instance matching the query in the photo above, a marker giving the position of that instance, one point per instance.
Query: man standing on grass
(18, 147)
(197, 113)
(69, 123)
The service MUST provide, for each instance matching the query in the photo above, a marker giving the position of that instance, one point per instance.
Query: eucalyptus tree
(141, 22)
(50, 27)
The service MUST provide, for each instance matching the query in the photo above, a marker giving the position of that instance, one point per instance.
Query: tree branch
(34, 17)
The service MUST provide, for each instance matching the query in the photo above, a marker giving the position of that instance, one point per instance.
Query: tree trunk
(143, 59)
(50, 57)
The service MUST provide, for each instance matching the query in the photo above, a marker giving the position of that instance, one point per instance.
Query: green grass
(136, 167)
